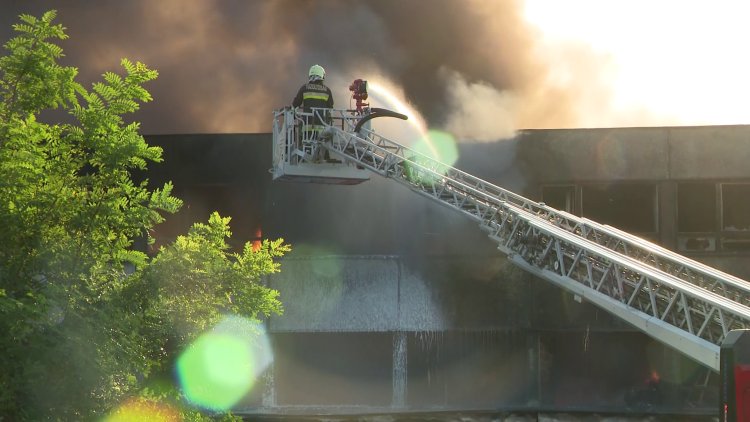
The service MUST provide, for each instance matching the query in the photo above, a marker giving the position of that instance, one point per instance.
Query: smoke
(473, 67)
(480, 111)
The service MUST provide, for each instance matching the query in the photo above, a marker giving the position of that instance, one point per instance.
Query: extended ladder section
(683, 303)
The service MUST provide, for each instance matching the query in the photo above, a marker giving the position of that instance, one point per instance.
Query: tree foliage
(86, 320)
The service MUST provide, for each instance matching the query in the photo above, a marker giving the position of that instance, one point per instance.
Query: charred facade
(394, 303)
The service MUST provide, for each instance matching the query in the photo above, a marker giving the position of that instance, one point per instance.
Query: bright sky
(686, 61)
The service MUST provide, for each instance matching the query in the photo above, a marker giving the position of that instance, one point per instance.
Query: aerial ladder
(687, 305)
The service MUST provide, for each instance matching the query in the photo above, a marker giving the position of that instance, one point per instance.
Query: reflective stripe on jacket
(313, 94)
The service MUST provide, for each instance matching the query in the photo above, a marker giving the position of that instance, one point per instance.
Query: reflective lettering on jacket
(313, 95)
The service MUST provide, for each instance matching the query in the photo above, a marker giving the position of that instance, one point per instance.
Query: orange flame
(257, 239)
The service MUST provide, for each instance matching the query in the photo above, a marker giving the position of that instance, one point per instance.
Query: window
(735, 207)
(696, 207)
(560, 197)
(696, 216)
(629, 207)
(735, 216)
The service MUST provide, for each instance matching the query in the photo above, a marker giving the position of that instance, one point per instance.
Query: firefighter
(314, 94)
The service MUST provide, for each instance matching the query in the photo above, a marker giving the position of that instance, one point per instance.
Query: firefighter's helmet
(317, 73)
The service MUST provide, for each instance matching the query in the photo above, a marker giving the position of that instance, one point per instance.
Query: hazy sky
(476, 68)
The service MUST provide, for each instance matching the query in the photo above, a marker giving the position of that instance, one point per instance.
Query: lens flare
(319, 278)
(326, 263)
(137, 409)
(440, 146)
(221, 366)
(438, 153)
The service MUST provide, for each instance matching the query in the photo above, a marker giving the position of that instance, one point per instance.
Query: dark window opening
(629, 207)
(560, 197)
(735, 207)
(696, 207)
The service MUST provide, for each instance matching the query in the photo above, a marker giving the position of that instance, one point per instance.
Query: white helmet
(316, 72)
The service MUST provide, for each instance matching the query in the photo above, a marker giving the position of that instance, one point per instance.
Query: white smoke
(477, 110)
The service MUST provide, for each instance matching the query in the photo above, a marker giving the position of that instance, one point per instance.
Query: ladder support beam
(658, 291)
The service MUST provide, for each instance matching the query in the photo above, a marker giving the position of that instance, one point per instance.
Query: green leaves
(31, 80)
(198, 280)
(85, 319)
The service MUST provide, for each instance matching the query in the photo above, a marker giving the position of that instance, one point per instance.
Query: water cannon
(359, 94)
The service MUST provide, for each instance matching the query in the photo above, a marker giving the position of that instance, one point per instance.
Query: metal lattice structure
(676, 300)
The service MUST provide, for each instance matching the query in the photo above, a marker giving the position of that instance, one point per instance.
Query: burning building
(395, 304)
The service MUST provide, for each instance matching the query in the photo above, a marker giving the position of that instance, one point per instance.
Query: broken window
(629, 207)
(560, 197)
(696, 207)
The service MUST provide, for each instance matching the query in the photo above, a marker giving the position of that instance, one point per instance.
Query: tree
(85, 319)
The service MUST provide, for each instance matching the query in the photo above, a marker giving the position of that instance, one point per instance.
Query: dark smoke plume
(469, 66)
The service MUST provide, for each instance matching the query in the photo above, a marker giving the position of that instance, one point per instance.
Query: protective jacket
(313, 94)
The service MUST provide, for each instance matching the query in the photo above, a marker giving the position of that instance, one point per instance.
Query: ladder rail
(706, 277)
(677, 265)
(696, 320)
(456, 188)
(689, 289)
(686, 310)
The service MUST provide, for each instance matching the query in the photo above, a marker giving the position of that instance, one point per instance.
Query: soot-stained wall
(225, 173)
(375, 260)
(229, 173)
(388, 293)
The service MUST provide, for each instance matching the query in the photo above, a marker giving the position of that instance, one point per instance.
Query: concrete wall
(663, 157)
(622, 154)
(342, 293)
(720, 152)
(392, 301)
(595, 154)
